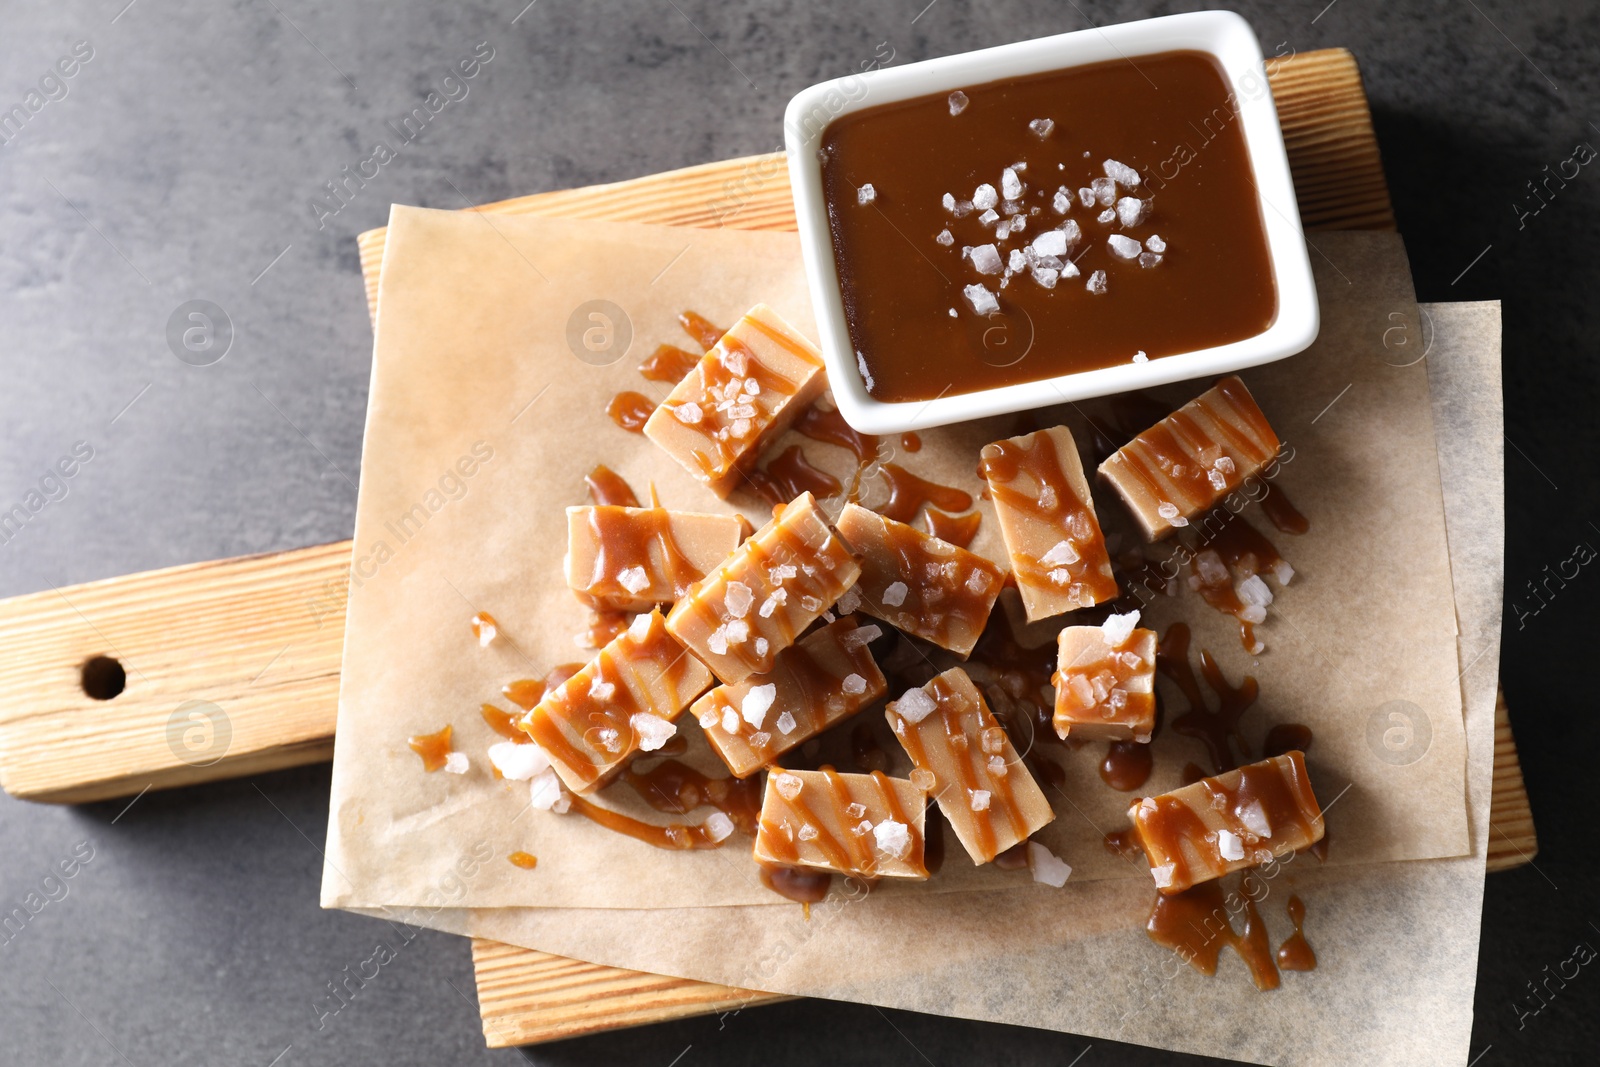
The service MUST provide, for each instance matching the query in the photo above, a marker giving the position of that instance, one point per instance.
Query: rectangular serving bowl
(1223, 34)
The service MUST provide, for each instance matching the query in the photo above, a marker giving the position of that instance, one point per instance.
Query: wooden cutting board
(232, 667)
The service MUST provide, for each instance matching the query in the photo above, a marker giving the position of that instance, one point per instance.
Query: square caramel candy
(827, 676)
(865, 824)
(919, 583)
(774, 585)
(738, 399)
(1239, 819)
(629, 559)
(1047, 519)
(1193, 458)
(622, 701)
(964, 758)
(1105, 681)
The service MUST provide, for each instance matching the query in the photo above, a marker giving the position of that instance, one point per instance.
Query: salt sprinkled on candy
(639, 628)
(1169, 511)
(997, 766)
(1042, 127)
(854, 684)
(862, 828)
(516, 762)
(456, 763)
(1254, 591)
(786, 723)
(866, 194)
(946, 238)
(958, 102)
(1140, 357)
(1255, 819)
(1123, 247)
(1131, 210)
(761, 646)
(924, 779)
(978, 582)
(981, 299)
(717, 642)
(984, 197)
(1282, 571)
(1051, 243)
(1062, 552)
(1229, 847)
(601, 691)
(737, 599)
(893, 838)
(788, 785)
(718, 827)
(1096, 283)
(544, 790)
(1048, 868)
(1162, 874)
(738, 631)
(1117, 628)
(1010, 184)
(633, 579)
(979, 799)
(992, 740)
(730, 721)
(895, 594)
(855, 810)
(652, 730)
(861, 635)
(850, 602)
(1155, 244)
(807, 833)
(688, 413)
(1120, 172)
(757, 702)
(915, 706)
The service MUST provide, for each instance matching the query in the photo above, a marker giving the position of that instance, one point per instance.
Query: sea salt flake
(1140, 357)
(1010, 184)
(924, 779)
(1062, 202)
(1042, 127)
(652, 731)
(945, 238)
(788, 785)
(486, 629)
(1105, 191)
(633, 579)
(1123, 247)
(853, 684)
(1155, 244)
(602, 691)
(517, 763)
(717, 642)
(850, 602)
(786, 723)
(1096, 283)
(855, 810)
(861, 635)
(1086, 197)
(981, 299)
(1229, 847)
(895, 594)
(1045, 276)
(978, 582)
(730, 721)
(958, 102)
(544, 791)
(1163, 875)
(915, 706)
(1002, 231)
(761, 646)
(1117, 628)
(737, 598)
(1255, 819)
(1148, 260)
(988, 217)
(866, 194)
(1061, 553)
(456, 763)
(862, 828)
(1107, 216)
(1060, 576)
(1051, 243)
(978, 799)
(756, 703)
(1120, 172)
(984, 197)
(1017, 261)
(997, 766)
(893, 838)
(1131, 210)
(1046, 866)
(807, 833)
(708, 718)
(717, 827)
(993, 740)
(986, 258)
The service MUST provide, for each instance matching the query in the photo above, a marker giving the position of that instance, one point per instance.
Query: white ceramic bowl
(1223, 34)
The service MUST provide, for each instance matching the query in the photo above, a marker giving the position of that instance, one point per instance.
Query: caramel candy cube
(865, 824)
(827, 676)
(1217, 825)
(738, 399)
(622, 701)
(919, 583)
(629, 559)
(1193, 458)
(965, 759)
(1047, 519)
(1105, 681)
(774, 585)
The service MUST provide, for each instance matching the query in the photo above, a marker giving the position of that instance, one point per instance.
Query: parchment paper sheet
(1397, 942)
(476, 358)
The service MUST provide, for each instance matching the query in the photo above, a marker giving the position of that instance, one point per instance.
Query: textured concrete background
(181, 164)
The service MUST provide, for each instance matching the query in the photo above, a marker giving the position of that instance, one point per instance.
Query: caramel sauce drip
(677, 789)
(670, 836)
(504, 723)
(1196, 924)
(1244, 551)
(911, 442)
(789, 475)
(1282, 514)
(668, 364)
(606, 487)
(604, 627)
(525, 860)
(800, 886)
(907, 493)
(1284, 738)
(526, 693)
(631, 410)
(433, 748)
(959, 530)
(639, 538)
(484, 624)
(1296, 954)
(1046, 496)
(1320, 848)
(696, 326)
(1217, 730)
(1127, 765)
(829, 427)
(1122, 843)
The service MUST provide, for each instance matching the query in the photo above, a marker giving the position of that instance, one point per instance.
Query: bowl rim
(1225, 35)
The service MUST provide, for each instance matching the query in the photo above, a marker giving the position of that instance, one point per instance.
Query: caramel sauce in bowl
(977, 226)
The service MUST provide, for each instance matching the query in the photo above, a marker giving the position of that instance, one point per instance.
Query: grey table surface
(182, 160)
